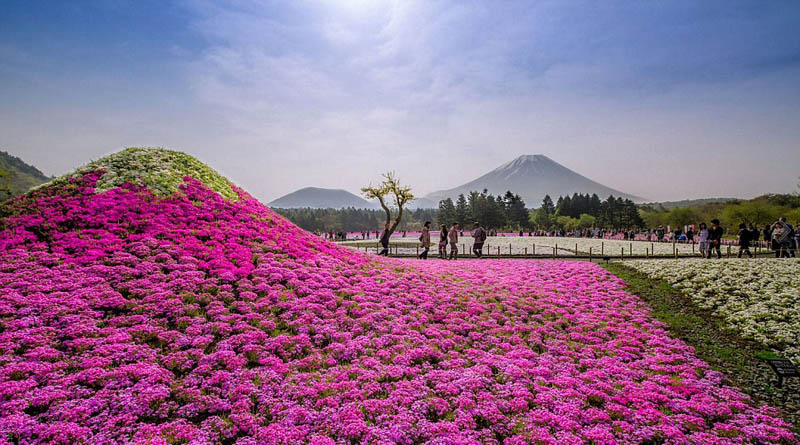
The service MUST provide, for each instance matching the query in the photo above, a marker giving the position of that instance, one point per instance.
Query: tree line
(506, 212)
(760, 211)
(493, 212)
(509, 212)
(581, 211)
(352, 219)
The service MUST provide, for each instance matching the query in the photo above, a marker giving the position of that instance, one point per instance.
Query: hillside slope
(21, 176)
(128, 315)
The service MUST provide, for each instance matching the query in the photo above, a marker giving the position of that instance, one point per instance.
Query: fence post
(647, 252)
(576, 249)
(590, 253)
(498, 250)
(417, 250)
(526, 251)
(622, 252)
(509, 249)
(534, 249)
(602, 246)
(630, 250)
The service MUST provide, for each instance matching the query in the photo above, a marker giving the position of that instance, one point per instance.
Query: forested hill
(16, 176)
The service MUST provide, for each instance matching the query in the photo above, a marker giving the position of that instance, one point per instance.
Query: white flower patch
(159, 169)
(758, 298)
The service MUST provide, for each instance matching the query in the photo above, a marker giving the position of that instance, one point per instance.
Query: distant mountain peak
(532, 176)
(320, 198)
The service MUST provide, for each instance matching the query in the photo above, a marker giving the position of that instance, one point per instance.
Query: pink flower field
(127, 317)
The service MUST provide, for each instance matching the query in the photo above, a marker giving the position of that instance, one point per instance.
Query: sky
(667, 100)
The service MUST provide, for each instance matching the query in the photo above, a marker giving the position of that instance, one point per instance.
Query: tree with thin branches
(391, 195)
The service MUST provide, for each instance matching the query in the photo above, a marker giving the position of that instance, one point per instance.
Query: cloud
(280, 94)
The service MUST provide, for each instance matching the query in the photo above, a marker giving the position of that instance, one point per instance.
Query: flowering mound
(126, 317)
(158, 169)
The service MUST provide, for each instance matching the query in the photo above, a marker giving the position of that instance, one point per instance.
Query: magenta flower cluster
(129, 318)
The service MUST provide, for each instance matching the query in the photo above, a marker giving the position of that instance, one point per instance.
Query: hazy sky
(662, 99)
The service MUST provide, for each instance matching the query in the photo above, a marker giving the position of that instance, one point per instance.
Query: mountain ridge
(320, 198)
(22, 176)
(532, 177)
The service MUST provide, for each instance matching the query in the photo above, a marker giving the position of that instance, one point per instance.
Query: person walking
(781, 238)
(479, 237)
(744, 240)
(385, 241)
(443, 242)
(767, 232)
(792, 235)
(796, 236)
(755, 234)
(425, 240)
(452, 236)
(702, 239)
(715, 238)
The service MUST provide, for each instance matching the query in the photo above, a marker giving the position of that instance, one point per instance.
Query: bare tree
(390, 194)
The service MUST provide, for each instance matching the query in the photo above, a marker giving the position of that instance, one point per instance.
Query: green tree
(547, 205)
(447, 212)
(462, 211)
(542, 220)
(586, 221)
(682, 216)
(751, 212)
(516, 213)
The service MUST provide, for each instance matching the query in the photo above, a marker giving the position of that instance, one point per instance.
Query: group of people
(446, 236)
(710, 240)
(782, 238)
(450, 236)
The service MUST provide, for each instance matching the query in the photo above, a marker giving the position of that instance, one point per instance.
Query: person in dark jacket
(385, 241)
(744, 240)
(755, 234)
(443, 242)
(715, 238)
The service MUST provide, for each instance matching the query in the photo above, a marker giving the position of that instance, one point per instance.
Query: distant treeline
(759, 211)
(503, 213)
(351, 219)
(586, 211)
(579, 211)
